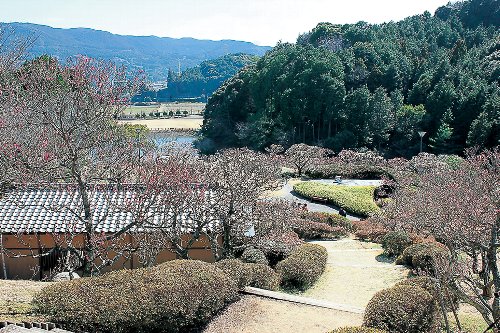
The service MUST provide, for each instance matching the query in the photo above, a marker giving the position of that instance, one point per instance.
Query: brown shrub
(172, 297)
(369, 231)
(303, 267)
(250, 274)
(359, 329)
(313, 230)
(403, 309)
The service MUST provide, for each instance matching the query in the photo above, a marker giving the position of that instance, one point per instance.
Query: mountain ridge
(154, 54)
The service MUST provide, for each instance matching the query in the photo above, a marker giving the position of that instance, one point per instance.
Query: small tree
(303, 156)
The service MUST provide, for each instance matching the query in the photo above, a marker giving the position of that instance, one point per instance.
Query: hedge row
(354, 172)
(354, 199)
(250, 274)
(307, 229)
(332, 219)
(172, 297)
(303, 267)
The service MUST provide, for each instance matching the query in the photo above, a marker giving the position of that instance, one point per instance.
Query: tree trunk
(493, 264)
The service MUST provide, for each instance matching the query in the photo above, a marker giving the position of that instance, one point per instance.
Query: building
(38, 226)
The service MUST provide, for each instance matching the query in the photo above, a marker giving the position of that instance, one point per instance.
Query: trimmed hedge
(253, 255)
(403, 309)
(354, 199)
(313, 230)
(395, 242)
(332, 219)
(303, 267)
(172, 297)
(277, 247)
(422, 256)
(368, 230)
(250, 274)
(428, 284)
(358, 329)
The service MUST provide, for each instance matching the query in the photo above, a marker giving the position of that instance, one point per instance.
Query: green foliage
(361, 85)
(403, 309)
(171, 297)
(354, 199)
(357, 330)
(303, 267)
(394, 243)
(250, 274)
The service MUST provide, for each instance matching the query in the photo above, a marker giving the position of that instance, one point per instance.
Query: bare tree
(303, 156)
(457, 203)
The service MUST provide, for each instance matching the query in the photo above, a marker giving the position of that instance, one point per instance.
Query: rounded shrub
(172, 297)
(278, 246)
(357, 329)
(250, 274)
(403, 309)
(394, 243)
(303, 267)
(253, 255)
(424, 256)
(430, 286)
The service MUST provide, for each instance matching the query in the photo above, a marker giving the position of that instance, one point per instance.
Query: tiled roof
(58, 210)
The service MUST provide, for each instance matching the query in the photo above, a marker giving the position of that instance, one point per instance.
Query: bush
(423, 256)
(313, 230)
(429, 285)
(250, 274)
(352, 172)
(354, 199)
(394, 243)
(357, 330)
(332, 219)
(368, 230)
(253, 255)
(403, 309)
(277, 247)
(303, 267)
(172, 297)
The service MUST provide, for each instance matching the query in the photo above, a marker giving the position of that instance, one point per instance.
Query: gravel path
(353, 275)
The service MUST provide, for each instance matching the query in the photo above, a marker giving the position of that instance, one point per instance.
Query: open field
(190, 108)
(189, 122)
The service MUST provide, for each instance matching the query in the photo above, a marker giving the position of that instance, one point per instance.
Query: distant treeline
(199, 82)
(375, 86)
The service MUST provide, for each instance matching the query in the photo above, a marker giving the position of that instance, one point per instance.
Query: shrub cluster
(395, 242)
(354, 199)
(353, 172)
(368, 230)
(423, 256)
(307, 229)
(278, 246)
(303, 267)
(172, 297)
(250, 274)
(358, 329)
(253, 255)
(403, 309)
(332, 219)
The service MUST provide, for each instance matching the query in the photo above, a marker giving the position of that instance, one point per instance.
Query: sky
(263, 22)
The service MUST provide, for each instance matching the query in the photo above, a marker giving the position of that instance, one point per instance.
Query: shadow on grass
(385, 259)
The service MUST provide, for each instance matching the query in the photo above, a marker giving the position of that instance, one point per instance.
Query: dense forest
(199, 81)
(371, 85)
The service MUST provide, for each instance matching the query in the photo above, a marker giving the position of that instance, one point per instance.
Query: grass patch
(354, 199)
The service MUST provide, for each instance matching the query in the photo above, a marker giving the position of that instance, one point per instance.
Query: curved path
(287, 193)
(355, 272)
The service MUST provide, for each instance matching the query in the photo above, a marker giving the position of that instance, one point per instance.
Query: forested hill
(156, 55)
(374, 86)
(200, 81)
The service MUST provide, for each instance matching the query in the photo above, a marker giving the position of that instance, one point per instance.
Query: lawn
(15, 299)
(354, 199)
(189, 122)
